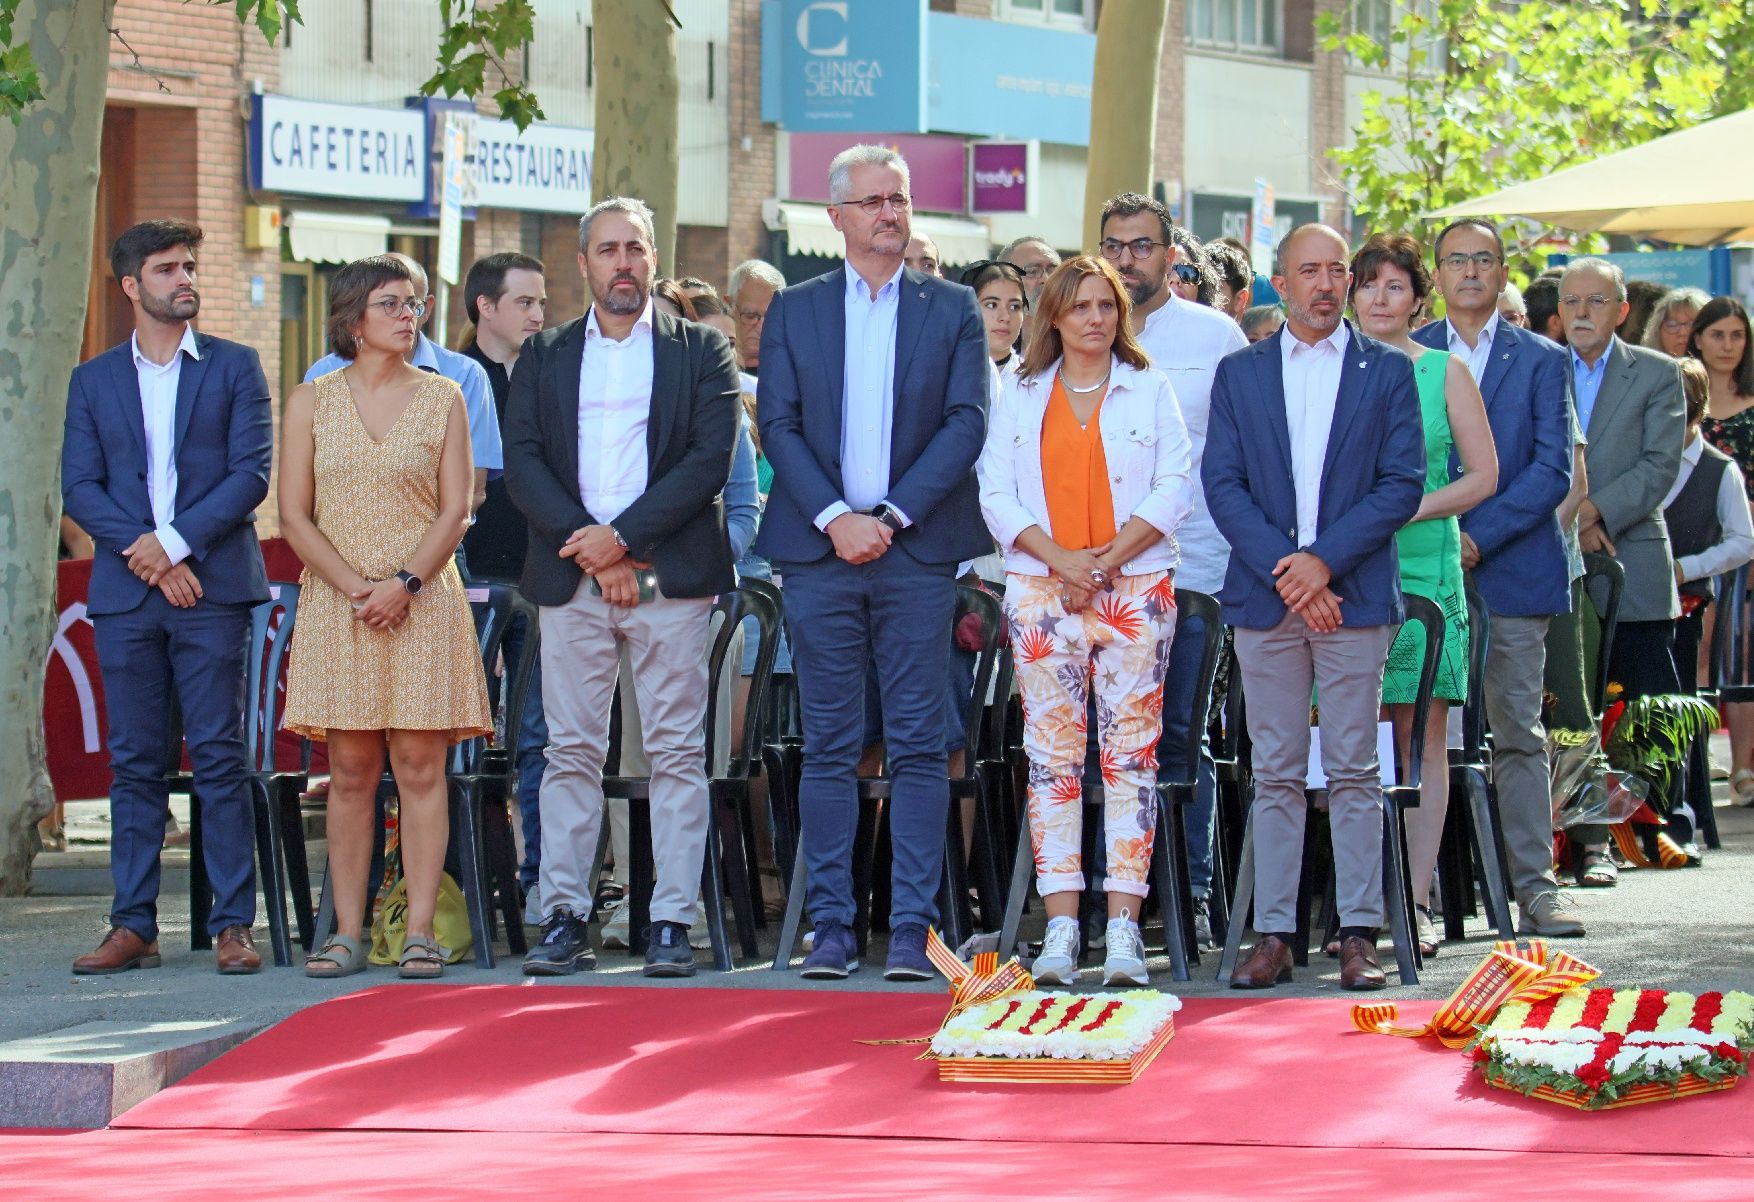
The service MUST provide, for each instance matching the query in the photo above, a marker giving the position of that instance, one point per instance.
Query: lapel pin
(922, 294)
(1506, 355)
(1364, 363)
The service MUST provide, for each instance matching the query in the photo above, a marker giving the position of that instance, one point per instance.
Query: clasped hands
(1302, 581)
(597, 553)
(1082, 574)
(382, 604)
(148, 560)
(1592, 533)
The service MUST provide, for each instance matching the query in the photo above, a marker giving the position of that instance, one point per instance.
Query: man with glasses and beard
(873, 412)
(619, 432)
(1511, 542)
(169, 439)
(1185, 341)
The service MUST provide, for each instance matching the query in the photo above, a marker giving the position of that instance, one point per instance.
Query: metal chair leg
(1021, 863)
(782, 957)
(1241, 901)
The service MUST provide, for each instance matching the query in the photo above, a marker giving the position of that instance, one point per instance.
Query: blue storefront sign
(844, 65)
(1000, 79)
(1708, 269)
(351, 151)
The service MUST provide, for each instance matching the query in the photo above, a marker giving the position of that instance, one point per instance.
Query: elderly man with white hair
(751, 290)
(1630, 404)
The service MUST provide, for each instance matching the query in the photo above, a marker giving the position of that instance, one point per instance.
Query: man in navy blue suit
(168, 444)
(1315, 457)
(873, 394)
(1512, 545)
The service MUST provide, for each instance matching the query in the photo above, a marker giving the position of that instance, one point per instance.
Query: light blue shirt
(742, 506)
(867, 396)
(469, 376)
(1587, 381)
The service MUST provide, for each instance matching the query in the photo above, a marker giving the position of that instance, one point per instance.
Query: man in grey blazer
(1630, 405)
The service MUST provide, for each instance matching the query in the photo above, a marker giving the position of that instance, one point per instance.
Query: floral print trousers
(1120, 642)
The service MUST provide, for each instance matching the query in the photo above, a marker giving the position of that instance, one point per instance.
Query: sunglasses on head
(1187, 273)
(973, 270)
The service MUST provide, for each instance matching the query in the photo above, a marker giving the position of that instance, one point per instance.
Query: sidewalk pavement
(1684, 928)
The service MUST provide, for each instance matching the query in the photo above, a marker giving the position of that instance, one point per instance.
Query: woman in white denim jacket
(1085, 477)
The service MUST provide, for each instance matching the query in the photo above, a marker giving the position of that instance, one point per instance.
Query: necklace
(1071, 387)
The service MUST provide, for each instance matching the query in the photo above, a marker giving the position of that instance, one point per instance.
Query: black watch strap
(886, 514)
(410, 581)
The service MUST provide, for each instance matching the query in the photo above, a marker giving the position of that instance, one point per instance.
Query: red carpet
(1289, 1073)
(362, 1166)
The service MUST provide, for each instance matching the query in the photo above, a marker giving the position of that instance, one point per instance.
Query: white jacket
(1150, 464)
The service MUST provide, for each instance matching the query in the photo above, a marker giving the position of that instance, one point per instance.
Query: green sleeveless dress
(1431, 559)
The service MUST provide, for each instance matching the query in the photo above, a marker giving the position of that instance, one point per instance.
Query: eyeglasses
(1187, 273)
(1483, 260)
(974, 269)
(1139, 248)
(1674, 325)
(392, 306)
(873, 205)
(1594, 300)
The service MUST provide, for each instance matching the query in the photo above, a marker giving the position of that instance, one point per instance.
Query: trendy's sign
(350, 151)
(546, 168)
(1001, 177)
(848, 65)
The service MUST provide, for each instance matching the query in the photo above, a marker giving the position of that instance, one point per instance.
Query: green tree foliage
(1477, 96)
(475, 38)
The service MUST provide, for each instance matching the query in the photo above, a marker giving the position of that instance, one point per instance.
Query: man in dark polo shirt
(506, 299)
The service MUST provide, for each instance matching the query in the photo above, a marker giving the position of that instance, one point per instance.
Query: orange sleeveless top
(1074, 472)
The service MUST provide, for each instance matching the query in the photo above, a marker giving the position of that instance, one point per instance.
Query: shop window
(1242, 26)
(1378, 19)
(1078, 13)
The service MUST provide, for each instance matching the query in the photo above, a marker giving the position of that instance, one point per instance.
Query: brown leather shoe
(121, 950)
(1267, 964)
(236, 952)
(1359, 969)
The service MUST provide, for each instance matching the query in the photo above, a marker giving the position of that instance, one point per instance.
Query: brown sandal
(422, 959)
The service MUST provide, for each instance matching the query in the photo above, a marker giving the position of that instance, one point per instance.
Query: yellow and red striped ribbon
(985, 982)
(1511, 972)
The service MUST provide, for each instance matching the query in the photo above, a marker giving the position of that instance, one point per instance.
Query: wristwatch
(619, 541)
(887, 514)
(410, 581)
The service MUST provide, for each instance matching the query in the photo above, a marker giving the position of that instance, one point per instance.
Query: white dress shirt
(158, 406)
(615, 403)
(1185, 342)
(867, 396)
(1312, 387)
(1478, 355)
(1735, 546)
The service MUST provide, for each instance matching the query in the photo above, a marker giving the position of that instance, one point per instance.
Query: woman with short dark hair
(375, 481)
(1390, 287)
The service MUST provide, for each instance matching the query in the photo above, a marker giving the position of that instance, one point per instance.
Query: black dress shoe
(667, 951)
(565, 947)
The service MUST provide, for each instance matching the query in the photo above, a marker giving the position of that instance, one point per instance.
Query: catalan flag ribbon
(973, 986)
(1511, 972)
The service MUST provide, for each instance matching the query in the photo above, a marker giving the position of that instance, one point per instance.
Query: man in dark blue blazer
(1512, 544)
(1315, 457)
(168, 444)
(873, 394)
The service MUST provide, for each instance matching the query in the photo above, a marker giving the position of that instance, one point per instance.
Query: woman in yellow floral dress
(375, 482)
(1085, 478)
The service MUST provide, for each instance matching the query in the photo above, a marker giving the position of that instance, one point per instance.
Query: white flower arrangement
(1058, 1026)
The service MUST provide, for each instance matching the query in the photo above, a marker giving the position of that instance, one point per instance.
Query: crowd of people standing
(1085, 436)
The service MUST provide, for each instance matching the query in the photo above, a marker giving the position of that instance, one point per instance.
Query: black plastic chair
(874, 793)
(481, 854)
(730, 610)
(274, 795)
(1397, 798)
(782, 741)
(1170, 843)
(1473, 845)
(1604, 580)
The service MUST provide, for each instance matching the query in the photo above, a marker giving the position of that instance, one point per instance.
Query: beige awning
(336, 237)
(809, 232)
(1694, 186)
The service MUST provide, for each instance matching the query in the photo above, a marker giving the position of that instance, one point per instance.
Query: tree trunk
(48, 198)
(638, 112)
(1123, 105)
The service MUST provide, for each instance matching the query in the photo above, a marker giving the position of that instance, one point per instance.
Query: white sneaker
(1125, 962)
(614, 931)
(1058, 962)
(533, 915)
